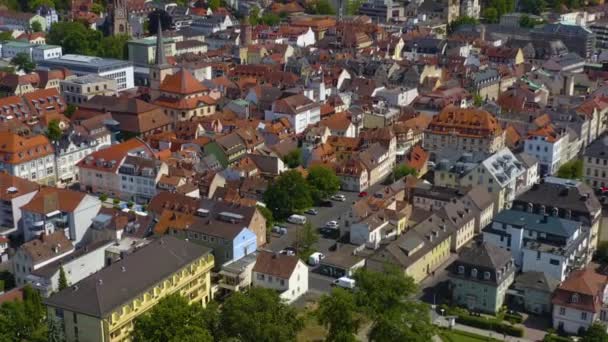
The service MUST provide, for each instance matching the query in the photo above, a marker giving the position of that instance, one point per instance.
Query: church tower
(119, 18)
(161, 68)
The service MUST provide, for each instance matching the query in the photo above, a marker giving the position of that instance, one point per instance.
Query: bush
(116, 201)
(513, 318)
(556, 338)
(129, 204)
(103, 197)
(508, 329)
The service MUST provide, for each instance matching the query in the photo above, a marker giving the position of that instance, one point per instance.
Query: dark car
(326, 203)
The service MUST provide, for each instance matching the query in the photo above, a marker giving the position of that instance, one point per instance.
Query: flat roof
(84, 63)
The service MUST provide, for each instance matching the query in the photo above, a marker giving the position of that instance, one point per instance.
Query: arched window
(486, 275)
(474, 272)
(574, 298)
(460, 269)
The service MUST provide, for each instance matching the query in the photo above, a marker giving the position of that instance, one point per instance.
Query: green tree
(97, 8)
(321, 7)
(254, 16)
(54, 131)
(34, 4)
(287, 194)
(571, 170)
(114, 46)
(6, 35)
(306, 237)
(534, 6)
(270, 19)
(491, 15)
(477, 100)
(323, 182)
(75, 38)
(69, 110)
(388, 298)
(173, 320)
(24, 320)
(259, 315)
(352, 8)
(36, 26)
(595, 333)
(267, 215)
(294, 158)
(22, 61)
(338, 313)
(464, 20)
(214, 4)
(401, 171)
(63, 281)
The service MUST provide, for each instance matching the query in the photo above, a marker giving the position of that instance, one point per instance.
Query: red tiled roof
(182, 83)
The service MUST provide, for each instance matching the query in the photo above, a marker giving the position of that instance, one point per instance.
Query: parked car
(297, 219)
(363, 194)
(279, 230)
(332, 225)
(344, 282)
(327, 203)
(338, 197)
(312, 211)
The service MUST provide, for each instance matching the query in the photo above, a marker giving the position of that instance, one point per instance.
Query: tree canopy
(76, 38)
(54, 131)
(36, 26)
(173, 320)
(338, 313)
(323, 182)
(287, 194)
(259, 315)
(306, 237)
(293, 159)
(22, 61)
(571, 170)
(595, 333)
(24, 320)
(464, 20)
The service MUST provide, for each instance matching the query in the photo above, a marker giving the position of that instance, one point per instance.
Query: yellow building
(103, 306)
(419, 251)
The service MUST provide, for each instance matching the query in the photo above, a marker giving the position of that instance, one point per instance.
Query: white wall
(82, 218)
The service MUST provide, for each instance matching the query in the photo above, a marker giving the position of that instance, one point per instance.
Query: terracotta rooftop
(183, 82)
(12, 186)
(15, 149)
(50, 199)
(275, 264)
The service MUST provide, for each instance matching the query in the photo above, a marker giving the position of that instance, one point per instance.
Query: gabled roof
(485, 255)
(183, 82)
(50, 199)
(275, 264)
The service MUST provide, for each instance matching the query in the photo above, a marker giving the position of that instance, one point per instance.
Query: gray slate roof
(598, 148)
(530, 221)
(539, 281)
(101, 293)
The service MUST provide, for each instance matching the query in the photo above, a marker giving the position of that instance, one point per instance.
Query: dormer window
(460, 269)
(574, 298)
(486, 275)
(474, 272)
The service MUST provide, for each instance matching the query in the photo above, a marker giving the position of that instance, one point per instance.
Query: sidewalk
(443, 322)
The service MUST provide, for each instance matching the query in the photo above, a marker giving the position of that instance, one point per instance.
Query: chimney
(123, 269)
(545, 218)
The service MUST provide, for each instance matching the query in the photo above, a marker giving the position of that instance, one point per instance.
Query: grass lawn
(463, 336)
(312, 331)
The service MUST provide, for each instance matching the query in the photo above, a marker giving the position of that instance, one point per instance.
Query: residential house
(578, 302)
(565, 198)
(419, 252)
(298, 109)
(544, 243)
(534, 291)
(14, 193)
(139, 176)
(31, 158)
(228, 149)
(595, 163)
(54, 209)
(103, 305)
(546, 145)
(481, 276)
(286, 274)
(70, 149)
(38, 253)
(98, 172)
(370, 231)
(75, 266)
(378, 161)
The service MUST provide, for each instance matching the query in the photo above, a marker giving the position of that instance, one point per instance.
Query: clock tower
(119, 18)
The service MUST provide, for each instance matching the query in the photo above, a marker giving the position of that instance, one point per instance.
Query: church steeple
(160, 50)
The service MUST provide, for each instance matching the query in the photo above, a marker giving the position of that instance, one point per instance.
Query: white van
(344, 282)
(297, 219)
(315, 258)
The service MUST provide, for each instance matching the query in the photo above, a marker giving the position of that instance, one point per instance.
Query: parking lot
(338, 212)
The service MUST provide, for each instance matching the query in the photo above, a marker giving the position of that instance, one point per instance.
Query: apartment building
(103, 306)
(70, 149)
(81, 89)
(14, 193)
(547, 144)
(139, 176)
(298, 109)
(466, 129)
(54, 209)
(595, 163)
(31, 158)
(98, 172)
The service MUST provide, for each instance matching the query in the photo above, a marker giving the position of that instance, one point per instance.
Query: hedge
(556, 338)
(514, 318)
(486, 324)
